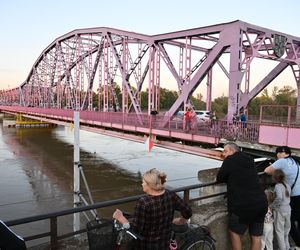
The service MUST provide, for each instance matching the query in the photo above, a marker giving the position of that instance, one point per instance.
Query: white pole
(76, 181)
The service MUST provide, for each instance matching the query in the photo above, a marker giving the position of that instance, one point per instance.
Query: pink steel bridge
(81, 69)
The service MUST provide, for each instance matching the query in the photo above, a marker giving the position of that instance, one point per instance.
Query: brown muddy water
(36, 166)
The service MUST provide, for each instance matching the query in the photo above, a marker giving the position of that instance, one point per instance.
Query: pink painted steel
(208, 132)
(272, 135)
(63, 76)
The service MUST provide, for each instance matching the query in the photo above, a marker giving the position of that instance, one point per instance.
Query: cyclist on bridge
(154, 213)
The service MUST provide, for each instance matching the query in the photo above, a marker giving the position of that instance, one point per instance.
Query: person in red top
(187, 119)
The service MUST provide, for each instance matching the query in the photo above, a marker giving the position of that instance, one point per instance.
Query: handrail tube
(54, 237)
(72, 210)
(208, 196)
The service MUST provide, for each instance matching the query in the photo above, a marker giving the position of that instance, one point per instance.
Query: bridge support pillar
(235, 79)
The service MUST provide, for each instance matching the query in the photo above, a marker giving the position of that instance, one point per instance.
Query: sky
(29, 26)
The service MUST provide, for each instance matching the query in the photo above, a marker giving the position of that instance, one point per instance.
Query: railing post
(186, 195)
(289, 116)
(53, 233)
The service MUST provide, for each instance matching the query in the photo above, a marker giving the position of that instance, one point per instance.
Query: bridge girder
(85, 63)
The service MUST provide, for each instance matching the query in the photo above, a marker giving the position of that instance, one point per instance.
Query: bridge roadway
(260, 136)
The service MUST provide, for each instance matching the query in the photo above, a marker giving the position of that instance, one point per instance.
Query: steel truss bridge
(84, 69)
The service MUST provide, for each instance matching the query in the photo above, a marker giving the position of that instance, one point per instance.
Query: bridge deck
(168, 128)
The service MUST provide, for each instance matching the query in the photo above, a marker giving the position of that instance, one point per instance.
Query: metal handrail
(54, 237)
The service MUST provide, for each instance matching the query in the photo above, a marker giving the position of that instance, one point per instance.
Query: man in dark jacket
(247, 203)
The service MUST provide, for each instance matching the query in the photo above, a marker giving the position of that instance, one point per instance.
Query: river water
(36, 170)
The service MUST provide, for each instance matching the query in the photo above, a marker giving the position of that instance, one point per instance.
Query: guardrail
(200, 131)
(53, 233)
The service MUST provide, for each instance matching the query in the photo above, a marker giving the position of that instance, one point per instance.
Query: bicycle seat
(180, 228)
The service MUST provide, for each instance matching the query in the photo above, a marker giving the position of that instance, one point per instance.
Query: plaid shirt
(153, 219)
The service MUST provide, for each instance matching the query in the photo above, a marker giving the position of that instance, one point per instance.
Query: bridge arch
(83, 64)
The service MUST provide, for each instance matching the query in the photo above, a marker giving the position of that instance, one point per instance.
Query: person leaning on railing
(291, 169)
(154, 212)
(247, 203)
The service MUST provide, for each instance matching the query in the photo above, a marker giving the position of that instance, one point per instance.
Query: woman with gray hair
(154, 212)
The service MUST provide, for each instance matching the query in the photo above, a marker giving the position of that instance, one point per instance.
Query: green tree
(255, 104)
(198, 103)
(219, 105)
(286, 96)
(167, 98)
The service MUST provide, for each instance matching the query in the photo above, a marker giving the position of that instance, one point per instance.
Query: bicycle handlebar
(129, 231)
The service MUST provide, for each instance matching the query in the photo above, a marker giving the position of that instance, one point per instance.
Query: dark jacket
(246, 197)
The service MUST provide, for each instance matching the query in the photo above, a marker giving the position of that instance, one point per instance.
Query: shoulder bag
(296, 176)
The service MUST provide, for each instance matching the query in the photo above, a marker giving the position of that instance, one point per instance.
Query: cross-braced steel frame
(85, 63)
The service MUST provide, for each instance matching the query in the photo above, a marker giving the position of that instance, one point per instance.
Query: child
(281, 209)
(267, 237)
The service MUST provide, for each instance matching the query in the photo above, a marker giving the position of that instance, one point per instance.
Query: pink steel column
(105, 84)
(181, 63)
(90, 75)
(157, 86)
(110, 79)
(296, 72)
(100, 89)
(81, 63)
(58, 88)
(247, 84)
(77, 73)
(209, 90)
(139, 70)
(151, 80)
(235, 75)
(125, 68)
(188, 58)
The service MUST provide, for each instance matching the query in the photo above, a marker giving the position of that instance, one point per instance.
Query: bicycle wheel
(206, 243)
(196, 239)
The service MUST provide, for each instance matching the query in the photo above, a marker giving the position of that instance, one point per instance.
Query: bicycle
(111, 235)
(108, 234)
(191, 237)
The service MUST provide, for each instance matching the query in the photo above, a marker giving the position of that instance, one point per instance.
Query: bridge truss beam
(106, 69)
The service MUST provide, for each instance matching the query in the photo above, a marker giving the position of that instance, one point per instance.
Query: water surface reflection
(37, 170)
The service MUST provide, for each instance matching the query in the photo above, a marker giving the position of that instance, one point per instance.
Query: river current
(36, 170)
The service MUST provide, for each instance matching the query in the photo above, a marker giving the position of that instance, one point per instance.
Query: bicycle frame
(121, 232)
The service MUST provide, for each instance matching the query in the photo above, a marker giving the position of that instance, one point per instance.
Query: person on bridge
(193, 118)
(291, 169)
(187, 119)
(154, 212)
(247, 202)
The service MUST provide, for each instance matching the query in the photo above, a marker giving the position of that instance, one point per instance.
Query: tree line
(283, 96)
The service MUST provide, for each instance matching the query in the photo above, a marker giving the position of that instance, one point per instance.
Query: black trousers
(9, 240)
(295, 219)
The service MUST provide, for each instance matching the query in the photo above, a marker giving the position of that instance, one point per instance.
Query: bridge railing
(147, 123)
(53, 217)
